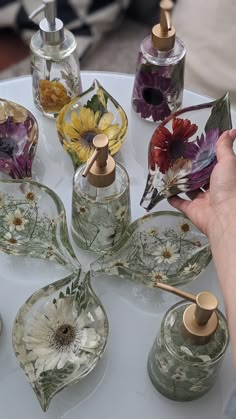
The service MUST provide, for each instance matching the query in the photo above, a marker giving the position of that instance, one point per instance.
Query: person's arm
(214, 213)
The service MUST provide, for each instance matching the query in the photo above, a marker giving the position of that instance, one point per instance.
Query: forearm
(223, 246)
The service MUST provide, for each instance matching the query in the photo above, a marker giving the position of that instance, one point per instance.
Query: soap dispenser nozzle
(100, 168)
(51, 28)
(200, 320)
(163, 34)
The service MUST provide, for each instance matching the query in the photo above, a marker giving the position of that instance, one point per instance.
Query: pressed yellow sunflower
(83, 128)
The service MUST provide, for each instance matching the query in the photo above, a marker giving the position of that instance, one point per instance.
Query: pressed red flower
(167, 147)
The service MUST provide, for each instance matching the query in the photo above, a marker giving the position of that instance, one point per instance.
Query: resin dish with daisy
(182, 150)
(160, 247)
(94, 112)
(59, 335)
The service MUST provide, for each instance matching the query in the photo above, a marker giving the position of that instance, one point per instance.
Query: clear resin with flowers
(182, 150)
(59, 335)
(101, 201)
(18, 140)
(60, 332)
(93, 112)
(159, 80)
(33, 223)
(181, 368)
(158, 87)
(163, 247)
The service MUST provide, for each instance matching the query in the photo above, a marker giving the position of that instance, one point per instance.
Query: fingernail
(232, 133)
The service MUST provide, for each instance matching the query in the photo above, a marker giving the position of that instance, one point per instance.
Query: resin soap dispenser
(184, 361)
(101, 200)
(159, 80)
(54, 63)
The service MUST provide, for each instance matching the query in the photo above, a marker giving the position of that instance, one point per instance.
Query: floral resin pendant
(18, 140)
(94, 112)
(59, 335)
(160, 247)
(33, 223)
(178, 367)
(182, 150)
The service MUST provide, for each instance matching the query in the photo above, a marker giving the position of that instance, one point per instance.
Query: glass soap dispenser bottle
(54, 63)
(100, 201)
(184, 361)
(159, 81)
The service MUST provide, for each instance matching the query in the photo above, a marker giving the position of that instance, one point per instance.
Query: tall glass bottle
(159, 81)
(54, 63)
(101, 201)
(184, 361)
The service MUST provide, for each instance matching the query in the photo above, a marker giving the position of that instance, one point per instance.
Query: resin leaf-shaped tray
(160, 247)
(59, 335)
(18, 140)
(94, 112)
(182, 152)
(33, 223)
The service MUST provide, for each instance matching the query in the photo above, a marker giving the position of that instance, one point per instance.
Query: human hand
(212, 210)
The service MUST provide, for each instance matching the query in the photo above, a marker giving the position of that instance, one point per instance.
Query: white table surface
(119, 387)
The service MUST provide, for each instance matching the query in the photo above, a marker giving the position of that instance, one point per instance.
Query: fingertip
(232, 133)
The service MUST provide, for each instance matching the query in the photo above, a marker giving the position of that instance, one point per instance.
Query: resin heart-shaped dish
(18, 140)
(182, 150)
(159, 247)
(94, 112)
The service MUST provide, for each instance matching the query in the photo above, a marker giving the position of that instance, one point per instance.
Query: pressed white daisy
(114, 269)
(1, 199)
(191, 268)
(198, 387)
(166, 253)
(180, 374)
(184, 227)
(153, 232)
(81, 209)
(58, 335)
(158, 277)
(120, 212)
(31, 196)
(11, 238)
(16, 220)
(177, 175)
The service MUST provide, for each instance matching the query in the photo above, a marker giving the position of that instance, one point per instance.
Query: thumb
(224, 145)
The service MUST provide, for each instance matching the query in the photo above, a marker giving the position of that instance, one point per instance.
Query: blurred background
(109, 33)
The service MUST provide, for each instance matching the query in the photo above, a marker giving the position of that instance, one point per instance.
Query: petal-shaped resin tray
(94, 112)
(33, 223)
(160, 247)
(182, 152)
(18, 139)
(60, 332)
(59, 335)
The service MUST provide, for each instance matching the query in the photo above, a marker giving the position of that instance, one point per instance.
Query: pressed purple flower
(18, 140)
(150, 95)
(202, 152)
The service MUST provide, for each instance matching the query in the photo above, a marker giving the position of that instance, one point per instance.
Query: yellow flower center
(88, 136)
(158, 277)
(17, 221)
(185, 228)
(64, 335)
(166, 254)
(30, 196)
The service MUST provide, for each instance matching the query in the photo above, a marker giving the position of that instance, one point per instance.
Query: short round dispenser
(184, 361)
